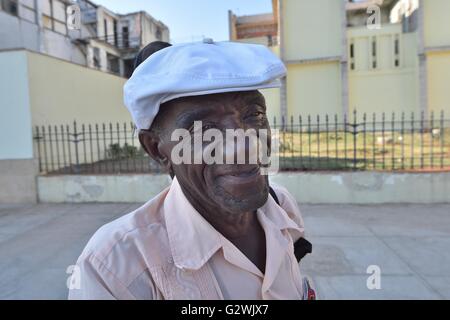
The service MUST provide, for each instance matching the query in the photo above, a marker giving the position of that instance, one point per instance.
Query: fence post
(345, 140)
(291, 160)
(105, 153)
(383, 134)
(432, 140)
(442, 138)
(319, 164)
(119, 155)
(336, 134)
(77, 156)
(83, 139)
(393, 141)
(37, 138)
(327, 137)
(422, 129)
(283, 127)
(90, 148)
(374, 149)
(365, 139)
(69, 149)
(51, 162)
(355, 134)
(309, 142)
(412, 140)
(301, 141)
(45, 149)
(58, 163)
(403, 140)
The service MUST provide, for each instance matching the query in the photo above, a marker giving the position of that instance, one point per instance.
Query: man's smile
(241, 175)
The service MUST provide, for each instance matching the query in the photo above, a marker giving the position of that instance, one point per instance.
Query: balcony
(120, 41)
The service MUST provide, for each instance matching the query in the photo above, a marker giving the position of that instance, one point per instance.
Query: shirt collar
(192, 239)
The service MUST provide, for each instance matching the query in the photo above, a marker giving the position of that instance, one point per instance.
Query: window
(269, 40)
(59, 17)
(10, 6)
(374, 53)
(113, 63)
(105, 28)
(54, 16)
(352, 56)
(96, 57)
(115, 33)
(397, 51)
(158, 33)
(27, 11)
(125, 37)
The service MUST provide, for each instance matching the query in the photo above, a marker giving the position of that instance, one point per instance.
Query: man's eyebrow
(187, 118)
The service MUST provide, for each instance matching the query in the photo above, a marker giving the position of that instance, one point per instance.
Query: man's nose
(241, 146)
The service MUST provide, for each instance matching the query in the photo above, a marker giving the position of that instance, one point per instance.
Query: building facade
(105, 40)
(371, 56)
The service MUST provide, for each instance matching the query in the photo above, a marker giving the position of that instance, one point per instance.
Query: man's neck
(243, 230)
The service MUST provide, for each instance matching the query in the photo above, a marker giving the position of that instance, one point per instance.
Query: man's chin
(249, 198)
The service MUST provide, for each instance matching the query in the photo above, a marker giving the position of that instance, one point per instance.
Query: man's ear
(151, 143)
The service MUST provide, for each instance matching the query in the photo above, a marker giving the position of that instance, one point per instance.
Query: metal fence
(404, 142)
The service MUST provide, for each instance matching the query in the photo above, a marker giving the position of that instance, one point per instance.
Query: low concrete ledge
(336, 187)
(18, 181)
(100, 188)
(367, 187)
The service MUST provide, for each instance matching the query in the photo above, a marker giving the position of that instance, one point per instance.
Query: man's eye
(256, 114)
(207, 127)
(204, 128)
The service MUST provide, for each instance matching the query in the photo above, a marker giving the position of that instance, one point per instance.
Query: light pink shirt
(113, 264)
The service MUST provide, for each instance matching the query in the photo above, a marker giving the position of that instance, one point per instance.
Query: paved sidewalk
(409, 243)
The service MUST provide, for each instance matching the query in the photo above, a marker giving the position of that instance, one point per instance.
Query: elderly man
(219, 231)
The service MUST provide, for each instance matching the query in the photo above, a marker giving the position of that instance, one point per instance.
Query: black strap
(302, 246)
(274, 195)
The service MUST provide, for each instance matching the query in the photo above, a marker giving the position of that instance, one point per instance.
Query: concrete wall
(437, 50)
(438, 78)
(367, 187)
(100, 188)
(61, 46)
(311, 40)
(399, 85)
(61, 92)
(436, 22)
(312, 29)
(17, 167)
(18, 181)
(15, 121)
(18, 33)
(28, 34)
(356, 188)
(272, 97)
(314, 89)
(149, 28)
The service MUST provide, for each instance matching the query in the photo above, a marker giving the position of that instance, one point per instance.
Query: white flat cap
(198, 69)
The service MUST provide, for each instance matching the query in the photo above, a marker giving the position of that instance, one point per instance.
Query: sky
(190, 20)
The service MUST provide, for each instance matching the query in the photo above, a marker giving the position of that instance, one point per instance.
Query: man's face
(235, 188)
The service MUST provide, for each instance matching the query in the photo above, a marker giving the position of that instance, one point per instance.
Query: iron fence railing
(404, 142)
